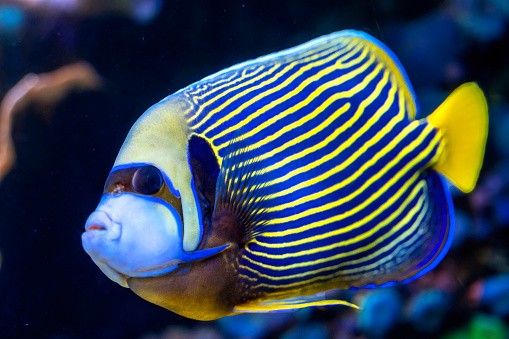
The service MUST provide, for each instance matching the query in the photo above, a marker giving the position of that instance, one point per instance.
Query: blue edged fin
(288, 305)
(428, 244)
(297, 88)
(463, 120)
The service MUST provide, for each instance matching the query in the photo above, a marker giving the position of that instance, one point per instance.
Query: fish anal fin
(288, 305)
(463, 120)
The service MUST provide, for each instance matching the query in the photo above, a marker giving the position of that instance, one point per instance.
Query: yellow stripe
(330, 119)
(330, 138)
(333, 155)
(344, 164)
(405, 151)
(288, 96)
(347, 274)
(296, 123)
(200, 109)
(226, 82)
(253, 70)
(286, 69)
(385, 222)
(276, 166)
(344, 215)
(382, 250)
(201, 87)
(360, 237)
(389, 63)
(285, 83)
(330, 220)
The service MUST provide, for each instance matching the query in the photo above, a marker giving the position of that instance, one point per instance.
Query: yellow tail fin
(463, 120)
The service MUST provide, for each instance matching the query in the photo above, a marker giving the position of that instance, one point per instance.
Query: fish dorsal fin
(291, 304)
(242, 188)
(292, 74)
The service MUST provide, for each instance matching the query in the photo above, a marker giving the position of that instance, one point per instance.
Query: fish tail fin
(463, 120)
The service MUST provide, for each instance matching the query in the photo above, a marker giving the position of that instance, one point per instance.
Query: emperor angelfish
(262, 186)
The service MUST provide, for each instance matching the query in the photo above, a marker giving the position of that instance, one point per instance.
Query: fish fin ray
(463, 120)
(241, 188)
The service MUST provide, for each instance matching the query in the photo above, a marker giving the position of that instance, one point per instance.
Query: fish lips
(100, 229)
(100, 225)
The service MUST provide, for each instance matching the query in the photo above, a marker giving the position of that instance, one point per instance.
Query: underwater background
(120, 57)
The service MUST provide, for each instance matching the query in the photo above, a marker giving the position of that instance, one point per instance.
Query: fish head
(137, 228)
(135, 231)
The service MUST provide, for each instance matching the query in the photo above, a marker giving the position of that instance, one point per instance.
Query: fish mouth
(99, 221)
(95, 227)
(100, 224)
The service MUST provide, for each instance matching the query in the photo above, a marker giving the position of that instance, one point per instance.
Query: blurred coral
(45, 89)
(381, 311)
(427, 309)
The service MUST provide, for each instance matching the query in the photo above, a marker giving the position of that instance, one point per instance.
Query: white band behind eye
(193, 223)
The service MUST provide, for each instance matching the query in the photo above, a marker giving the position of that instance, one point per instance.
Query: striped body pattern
(340, 191)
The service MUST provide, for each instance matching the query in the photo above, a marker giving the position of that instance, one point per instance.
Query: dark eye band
(144, 180)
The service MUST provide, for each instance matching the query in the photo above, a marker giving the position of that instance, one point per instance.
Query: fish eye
(147, 180)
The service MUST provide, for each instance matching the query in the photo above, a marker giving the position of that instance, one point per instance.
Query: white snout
(99, 223)
(134, 236)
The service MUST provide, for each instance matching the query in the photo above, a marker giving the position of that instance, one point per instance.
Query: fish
(264, 186)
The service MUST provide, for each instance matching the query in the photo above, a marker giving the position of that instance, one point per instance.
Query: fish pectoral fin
(463, 120)
(243, 189)
(288, 305)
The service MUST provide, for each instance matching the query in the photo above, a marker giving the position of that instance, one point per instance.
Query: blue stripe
(297, 98)
(347, 85)
(216, 102)
(393, 57)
